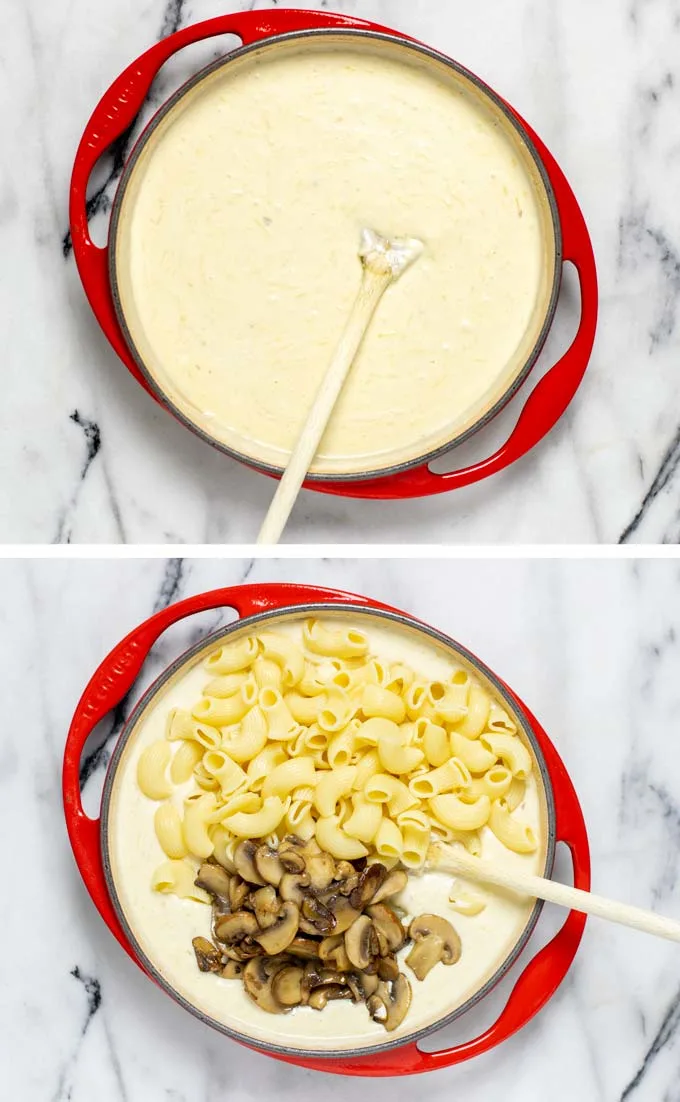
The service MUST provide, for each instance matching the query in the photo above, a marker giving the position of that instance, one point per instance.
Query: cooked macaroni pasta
(323, 739)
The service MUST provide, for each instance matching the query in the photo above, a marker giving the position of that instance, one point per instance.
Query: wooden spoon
(447, 859)
(383, 261)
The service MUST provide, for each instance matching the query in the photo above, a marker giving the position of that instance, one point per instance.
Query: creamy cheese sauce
(165, 925)
(237, 251)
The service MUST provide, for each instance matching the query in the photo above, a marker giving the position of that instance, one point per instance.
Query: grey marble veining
(87, 456)
(592, 647)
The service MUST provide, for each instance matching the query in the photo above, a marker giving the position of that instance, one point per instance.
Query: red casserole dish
(116, 676)
(117, 111)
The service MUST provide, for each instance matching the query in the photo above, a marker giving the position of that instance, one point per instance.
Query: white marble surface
(87, 456)
(592, 648)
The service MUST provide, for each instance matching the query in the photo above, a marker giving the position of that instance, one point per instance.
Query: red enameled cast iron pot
(118, 109)
(114, 679)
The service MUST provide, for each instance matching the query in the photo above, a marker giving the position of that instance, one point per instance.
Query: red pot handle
(539, 980)
(117, 111)
(549, 398)
(116, 675)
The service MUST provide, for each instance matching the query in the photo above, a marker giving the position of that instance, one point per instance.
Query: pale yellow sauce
(165, 925)
(237, 245)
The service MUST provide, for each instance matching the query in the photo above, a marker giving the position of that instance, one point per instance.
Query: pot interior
(161, 927)
(234, 250)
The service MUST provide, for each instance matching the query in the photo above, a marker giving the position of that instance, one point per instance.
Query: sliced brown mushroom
(435, 940)
(232, 970)
(424, 955)
(312, 977)
(321, 995)
(328, 946)
(219, 907)
(344, 912)
(394, 882)
(383, 944)
(427, 924)
(353, 983)
(340, 959)
(369, 883)
(320, 868)
(291, 841)
(343, 870)
(244, 950)
(346, 887)
(388, 925)
(400, 1002)
(318, 914)
(233, 928)
(258, 975)
(293, 887)
(208, 957)
(244, 860)
(360, 942)
(215, 880)
(268, 865)
(277, 895)
(292, 861)
(332, 949)
(288, 987)
(388, 968)
(238, 892)
(377, 1008)
(369, 983)
(395, 998)
(292, 853)
(310, 847)
(279, 935)
(304, 947)
(332, 975)
(266, 906)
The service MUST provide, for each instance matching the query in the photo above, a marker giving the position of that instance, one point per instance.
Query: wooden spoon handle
(371, 289)
(461, 863)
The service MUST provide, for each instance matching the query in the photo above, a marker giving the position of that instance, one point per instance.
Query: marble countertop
(88, 457)
(79, 1022)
